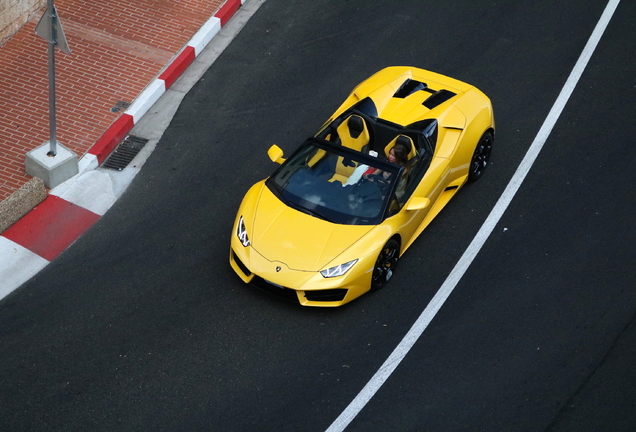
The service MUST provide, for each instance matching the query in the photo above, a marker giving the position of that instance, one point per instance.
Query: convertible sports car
(332, 221)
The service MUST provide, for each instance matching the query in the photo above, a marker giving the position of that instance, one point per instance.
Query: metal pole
(52, 119)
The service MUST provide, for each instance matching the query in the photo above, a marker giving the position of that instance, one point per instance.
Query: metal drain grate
(125, 152)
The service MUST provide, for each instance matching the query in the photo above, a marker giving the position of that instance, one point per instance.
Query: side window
(430, 136)
(404, 190)
(394, 206)
(413, 178)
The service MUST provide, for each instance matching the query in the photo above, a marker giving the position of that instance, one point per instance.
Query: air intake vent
(438, 98)
(337, 294)
(409, 87)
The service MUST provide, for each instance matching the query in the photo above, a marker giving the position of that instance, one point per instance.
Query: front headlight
(241, 233)
(338, 270)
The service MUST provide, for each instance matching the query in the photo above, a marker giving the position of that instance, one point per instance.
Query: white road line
(482, 235)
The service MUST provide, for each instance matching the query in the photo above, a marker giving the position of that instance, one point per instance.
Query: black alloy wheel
(481, 157)
(386, 264)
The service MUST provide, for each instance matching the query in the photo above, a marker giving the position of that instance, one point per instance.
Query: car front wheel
(481, 157)
(386, 264)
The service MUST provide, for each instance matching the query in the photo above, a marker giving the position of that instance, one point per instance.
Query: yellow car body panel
(301, 241)
(304, 256)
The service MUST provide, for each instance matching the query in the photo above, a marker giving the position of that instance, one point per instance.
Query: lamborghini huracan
(332, 221)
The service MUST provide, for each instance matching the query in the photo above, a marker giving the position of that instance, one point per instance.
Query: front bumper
(303, 287)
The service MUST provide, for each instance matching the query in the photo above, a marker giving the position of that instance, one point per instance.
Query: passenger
(397, 155)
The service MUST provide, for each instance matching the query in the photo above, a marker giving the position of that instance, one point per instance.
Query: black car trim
(275, 290)
(328, 295)
(438, 98)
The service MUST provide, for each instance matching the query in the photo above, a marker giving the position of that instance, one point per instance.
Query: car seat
(412, 158)
(354, 133)
(405, 140)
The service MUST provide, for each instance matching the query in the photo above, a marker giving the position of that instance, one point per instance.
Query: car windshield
(335, 183)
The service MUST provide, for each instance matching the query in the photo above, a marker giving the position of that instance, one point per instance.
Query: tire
(385, 265)
(481, 157)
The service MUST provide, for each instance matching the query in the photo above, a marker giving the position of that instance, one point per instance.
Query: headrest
(356, 126)
(406, 141)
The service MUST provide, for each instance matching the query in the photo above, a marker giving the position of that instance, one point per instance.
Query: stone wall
(13, 15)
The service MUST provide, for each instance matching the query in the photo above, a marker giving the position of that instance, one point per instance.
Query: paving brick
(117, 48)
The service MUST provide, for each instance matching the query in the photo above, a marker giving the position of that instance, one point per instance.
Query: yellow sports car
(332, 221)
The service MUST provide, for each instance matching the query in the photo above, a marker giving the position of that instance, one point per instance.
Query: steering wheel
(381, 181)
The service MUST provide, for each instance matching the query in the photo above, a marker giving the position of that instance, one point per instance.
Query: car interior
(310, 175)
(361, 130)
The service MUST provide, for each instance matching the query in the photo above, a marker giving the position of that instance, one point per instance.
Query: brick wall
(13, 15)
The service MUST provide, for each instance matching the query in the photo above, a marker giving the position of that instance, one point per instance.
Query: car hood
(302, 242)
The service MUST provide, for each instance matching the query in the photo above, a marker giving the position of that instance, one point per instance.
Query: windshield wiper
(314, 213)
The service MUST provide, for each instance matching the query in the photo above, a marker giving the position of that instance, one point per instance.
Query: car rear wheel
(481, 157)
(386, 264)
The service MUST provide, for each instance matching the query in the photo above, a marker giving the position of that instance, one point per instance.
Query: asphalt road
(142, 324)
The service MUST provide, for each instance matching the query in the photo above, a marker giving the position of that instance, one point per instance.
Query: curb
(71, 208)
(124, 124)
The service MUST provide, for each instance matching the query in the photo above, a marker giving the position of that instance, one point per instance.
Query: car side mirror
(275, 153)
(418, 203)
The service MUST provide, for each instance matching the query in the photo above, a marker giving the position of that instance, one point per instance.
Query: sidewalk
(125, 54)
(117, 48)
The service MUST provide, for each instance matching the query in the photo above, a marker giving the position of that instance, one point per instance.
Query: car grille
(281, 292)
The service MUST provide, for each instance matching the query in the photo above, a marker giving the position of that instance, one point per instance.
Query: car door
(427, 182)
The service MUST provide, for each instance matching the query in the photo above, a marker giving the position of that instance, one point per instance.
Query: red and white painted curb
(73, 207)
(118, 130)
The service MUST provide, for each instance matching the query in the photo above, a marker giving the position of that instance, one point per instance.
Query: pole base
(53, 170)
